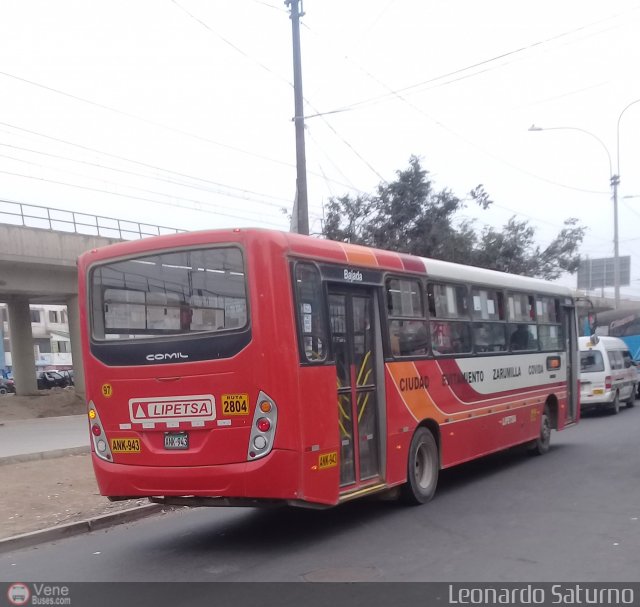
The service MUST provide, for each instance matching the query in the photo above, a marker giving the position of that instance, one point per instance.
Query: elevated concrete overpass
(38, 251)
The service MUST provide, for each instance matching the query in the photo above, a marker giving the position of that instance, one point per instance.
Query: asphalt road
(571, 515)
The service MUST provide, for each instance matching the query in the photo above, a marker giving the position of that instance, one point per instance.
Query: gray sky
(198, 93)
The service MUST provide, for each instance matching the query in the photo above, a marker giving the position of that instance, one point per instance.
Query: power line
(477, 146)
(146, 120)
(398, 95)
(231, 44)
(122, 185)
(277, 8)
(153, 123)
(419, 85)
(157, 168)
(142, 175)
(279, 77)
(333, 164)
(130, 196)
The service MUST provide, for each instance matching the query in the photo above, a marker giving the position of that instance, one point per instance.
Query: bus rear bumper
(274, 477)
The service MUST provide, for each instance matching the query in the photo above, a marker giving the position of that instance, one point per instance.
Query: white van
(607, 376)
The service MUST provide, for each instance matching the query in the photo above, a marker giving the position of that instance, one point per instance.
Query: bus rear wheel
(540, 446)
(423, 467)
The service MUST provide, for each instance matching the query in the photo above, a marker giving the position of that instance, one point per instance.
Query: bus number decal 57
(235, 404)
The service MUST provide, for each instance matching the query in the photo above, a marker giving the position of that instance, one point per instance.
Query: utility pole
(301, 162)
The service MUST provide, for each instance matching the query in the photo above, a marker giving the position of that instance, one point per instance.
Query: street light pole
(614, 181)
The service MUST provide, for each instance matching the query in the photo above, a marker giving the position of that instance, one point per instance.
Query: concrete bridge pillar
(73, 314)
(22, 359)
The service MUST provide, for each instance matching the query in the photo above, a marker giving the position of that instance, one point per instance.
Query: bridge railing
(47, 218)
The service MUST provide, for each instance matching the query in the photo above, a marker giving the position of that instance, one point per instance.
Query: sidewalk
(38, 438)
(48, 487)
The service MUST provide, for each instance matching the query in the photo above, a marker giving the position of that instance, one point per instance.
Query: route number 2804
(235, 404)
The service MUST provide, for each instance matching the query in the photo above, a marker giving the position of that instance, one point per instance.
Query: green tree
(410, 215)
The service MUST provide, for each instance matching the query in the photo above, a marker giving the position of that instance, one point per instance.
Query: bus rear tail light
(607, 382)
(263, 424)
(100, 444)
(263, 428)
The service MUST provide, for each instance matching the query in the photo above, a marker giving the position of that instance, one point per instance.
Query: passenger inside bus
(523, 339)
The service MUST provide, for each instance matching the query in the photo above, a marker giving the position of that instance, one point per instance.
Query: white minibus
(607, 375)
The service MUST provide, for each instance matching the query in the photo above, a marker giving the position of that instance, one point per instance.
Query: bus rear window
(176, 293)
(591, 362)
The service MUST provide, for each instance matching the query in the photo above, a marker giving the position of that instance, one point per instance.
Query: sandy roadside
(45, 493)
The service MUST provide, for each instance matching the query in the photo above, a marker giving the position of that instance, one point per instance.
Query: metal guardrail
(34, 216)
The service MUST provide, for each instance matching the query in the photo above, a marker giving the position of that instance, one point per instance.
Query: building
(51, 341)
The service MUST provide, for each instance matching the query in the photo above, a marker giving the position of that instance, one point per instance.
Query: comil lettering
(353, 276)
(167, 356)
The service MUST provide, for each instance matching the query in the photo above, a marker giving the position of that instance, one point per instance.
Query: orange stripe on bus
(419, 402)
(360, 256)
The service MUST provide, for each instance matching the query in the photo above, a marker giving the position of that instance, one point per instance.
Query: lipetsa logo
(173, 408)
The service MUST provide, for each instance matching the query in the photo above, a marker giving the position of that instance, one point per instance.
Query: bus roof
(434, 268)
(331, 251)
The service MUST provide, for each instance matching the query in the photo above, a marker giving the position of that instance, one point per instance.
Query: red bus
(250, 366)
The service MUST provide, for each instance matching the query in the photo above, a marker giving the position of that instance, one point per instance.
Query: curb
(26, 540)
(51, 454)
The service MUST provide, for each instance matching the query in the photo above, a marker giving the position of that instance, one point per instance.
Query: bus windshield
(174, 293)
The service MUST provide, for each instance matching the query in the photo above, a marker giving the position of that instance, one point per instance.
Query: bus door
(571, 347)
(356, 339)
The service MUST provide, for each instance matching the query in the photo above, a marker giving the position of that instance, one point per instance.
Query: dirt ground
(45, 493)
(47, 403)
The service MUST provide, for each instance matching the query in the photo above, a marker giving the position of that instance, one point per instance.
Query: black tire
(423, 467)
(615, 405)
(632, 398)
(540, 446)
(3, 390)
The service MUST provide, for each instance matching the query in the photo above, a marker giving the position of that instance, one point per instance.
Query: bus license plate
(125, 445)
(176, 440)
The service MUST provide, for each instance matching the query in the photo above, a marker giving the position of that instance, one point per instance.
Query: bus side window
(311, 321)
(407, 323)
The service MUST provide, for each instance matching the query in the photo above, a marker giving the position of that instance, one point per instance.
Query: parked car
(68, 375)
(51, 379)
(7, 386)
(607, 375)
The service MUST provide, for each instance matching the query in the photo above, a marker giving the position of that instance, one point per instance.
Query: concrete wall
(32, 245)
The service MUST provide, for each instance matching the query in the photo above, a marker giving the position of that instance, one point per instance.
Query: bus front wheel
(422, 468)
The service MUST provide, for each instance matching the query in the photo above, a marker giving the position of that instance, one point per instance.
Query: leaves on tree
(410, 215)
